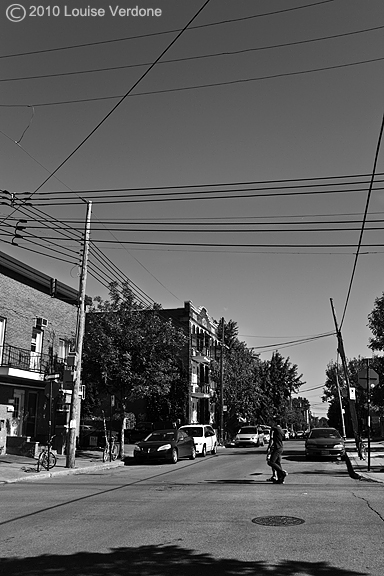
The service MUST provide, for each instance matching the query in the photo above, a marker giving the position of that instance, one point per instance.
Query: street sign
(362, 379)
(52, 377)
(352, 393)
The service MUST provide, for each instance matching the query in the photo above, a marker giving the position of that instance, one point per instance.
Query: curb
(65, 472)
(362, 476)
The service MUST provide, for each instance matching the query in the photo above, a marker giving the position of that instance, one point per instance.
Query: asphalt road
(214, 516)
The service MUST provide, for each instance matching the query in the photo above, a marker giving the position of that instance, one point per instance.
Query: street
(212, 516)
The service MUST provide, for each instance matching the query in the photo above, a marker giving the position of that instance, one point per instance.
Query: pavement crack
(369, 505)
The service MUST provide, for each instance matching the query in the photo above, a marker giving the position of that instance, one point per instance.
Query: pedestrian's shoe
(271, 479)
(282, 479)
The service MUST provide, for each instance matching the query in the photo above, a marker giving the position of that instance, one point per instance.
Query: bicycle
(111, 450)
(47, 459)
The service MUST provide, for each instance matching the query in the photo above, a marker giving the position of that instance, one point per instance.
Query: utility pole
(339, 396)
(222, 384)
(340, 349)
(75, 408)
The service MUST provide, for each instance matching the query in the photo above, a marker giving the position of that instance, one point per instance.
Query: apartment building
(38, 317)
(202, 348)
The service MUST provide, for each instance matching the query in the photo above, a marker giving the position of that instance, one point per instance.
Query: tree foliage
(255, 391)
(132, 353)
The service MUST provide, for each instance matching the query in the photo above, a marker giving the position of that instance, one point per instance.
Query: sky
(243, 157)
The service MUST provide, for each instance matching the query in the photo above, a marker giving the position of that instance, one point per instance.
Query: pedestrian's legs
(275, 463)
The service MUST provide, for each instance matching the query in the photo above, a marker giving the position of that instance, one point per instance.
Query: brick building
(38, 317)
(203, 347)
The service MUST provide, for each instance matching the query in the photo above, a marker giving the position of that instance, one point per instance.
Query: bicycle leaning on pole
(111, 450)
(47, 459)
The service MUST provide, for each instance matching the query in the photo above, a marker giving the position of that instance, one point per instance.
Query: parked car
(168, 445)
(267, 433)
(324, 443)
(286, 433)
(204, 437)
(139, 432)
(299, 434)
(249, 436)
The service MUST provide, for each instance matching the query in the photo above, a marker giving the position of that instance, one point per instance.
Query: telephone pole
(340, 349)
(222, 384)
(80, 330)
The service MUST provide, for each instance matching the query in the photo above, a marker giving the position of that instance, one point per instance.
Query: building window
(64, 349)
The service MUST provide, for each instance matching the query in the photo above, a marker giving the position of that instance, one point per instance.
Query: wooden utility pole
(340, 349)
(222, 384)
(75, 407)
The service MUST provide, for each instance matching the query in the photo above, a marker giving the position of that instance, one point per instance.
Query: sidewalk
(15, 468)
(359, 468)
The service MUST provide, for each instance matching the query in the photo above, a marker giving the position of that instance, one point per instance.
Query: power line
(57, 222)
(364, 219)
(106, 116)
(188, 196)
(194, 87)
(271, 185)
(189, 58)
(101, 42)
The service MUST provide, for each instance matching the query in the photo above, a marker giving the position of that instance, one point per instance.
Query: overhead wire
(193, 87)
(207, 25)
(189, 58)
(359, 245)
(315, 182)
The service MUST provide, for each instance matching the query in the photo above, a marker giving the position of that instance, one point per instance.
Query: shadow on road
(167, 560)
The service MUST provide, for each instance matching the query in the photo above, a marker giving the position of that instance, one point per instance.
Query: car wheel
(214, 449)
(174, 456)
(204, 451)
(193, 454)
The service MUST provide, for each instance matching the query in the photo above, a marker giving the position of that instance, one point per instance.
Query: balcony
(202, 391)
(16, 361)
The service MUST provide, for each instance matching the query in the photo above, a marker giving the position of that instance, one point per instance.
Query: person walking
(275, 452)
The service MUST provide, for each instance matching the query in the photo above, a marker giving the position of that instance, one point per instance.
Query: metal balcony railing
(23, 359)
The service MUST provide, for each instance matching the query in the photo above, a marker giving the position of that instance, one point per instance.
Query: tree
(132, 353)
(376, 324)
(279, 379)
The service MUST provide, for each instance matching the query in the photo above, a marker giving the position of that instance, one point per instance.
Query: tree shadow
(162, 560)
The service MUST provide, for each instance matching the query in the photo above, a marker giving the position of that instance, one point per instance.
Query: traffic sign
(364, 375)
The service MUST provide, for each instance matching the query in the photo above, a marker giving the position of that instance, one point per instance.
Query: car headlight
(338, 447)
(164, 447)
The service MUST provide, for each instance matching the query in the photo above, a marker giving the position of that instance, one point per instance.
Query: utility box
(4, 414)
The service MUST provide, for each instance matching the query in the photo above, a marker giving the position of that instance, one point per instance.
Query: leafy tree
(279, 379)
(133, 353)
(376, 324)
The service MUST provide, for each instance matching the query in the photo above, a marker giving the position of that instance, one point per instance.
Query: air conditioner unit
(41, 322)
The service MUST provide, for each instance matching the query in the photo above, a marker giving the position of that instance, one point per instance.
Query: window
(64, 349)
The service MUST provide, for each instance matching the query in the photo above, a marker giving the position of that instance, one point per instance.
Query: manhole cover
(278, 521)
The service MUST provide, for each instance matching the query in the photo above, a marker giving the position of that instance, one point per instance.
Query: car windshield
(193, 431)
(248, 430)
(156, 436)
(328, 433)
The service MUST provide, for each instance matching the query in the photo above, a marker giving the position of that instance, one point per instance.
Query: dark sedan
(324, 443)
(168, 445)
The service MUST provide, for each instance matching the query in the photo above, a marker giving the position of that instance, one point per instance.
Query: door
(36, 347)
(31, 413)
(18, 414)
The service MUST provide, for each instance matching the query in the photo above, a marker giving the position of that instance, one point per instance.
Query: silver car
(249, 436)
(324, 443)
